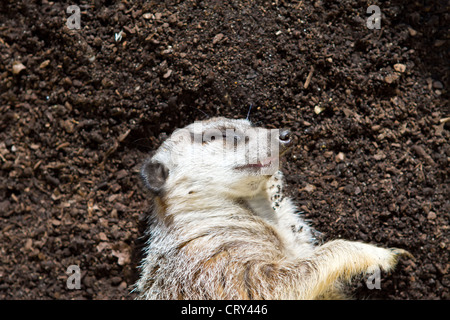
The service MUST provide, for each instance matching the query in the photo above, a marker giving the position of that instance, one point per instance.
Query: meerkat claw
(402, 252)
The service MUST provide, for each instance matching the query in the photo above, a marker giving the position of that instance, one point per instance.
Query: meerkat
(220, 227)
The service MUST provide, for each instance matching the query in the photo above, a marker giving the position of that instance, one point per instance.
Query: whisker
(248, 113)
(197, 109)
(135, 143)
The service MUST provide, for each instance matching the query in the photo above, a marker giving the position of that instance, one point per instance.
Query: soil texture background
(80, 109)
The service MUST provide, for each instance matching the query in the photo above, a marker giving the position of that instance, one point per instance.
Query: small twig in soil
(308, 79)
(423, 154)
(63, 145)
(380, 33)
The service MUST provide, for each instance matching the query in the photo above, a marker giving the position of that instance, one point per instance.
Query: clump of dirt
(81, 108)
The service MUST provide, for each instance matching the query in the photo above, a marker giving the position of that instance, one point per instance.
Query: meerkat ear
(154, 175)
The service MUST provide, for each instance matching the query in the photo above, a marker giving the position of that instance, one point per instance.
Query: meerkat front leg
(275, 189)
(287, 213)
(341, 260)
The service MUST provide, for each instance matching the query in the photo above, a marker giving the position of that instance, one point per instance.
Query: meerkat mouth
(263, 164)
(258, 165)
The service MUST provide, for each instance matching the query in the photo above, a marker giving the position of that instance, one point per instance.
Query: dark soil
(81, 109)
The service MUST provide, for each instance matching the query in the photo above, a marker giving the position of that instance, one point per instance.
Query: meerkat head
(219, 156)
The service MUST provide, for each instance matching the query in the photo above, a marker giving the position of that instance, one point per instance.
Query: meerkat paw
(400, 253)
(387, 259)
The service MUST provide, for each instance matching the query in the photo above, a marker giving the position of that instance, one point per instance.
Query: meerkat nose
(285, 138)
